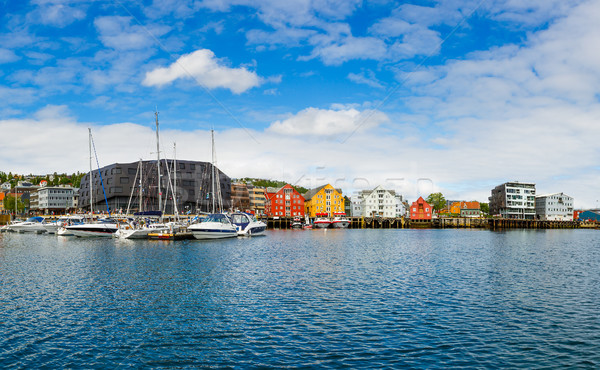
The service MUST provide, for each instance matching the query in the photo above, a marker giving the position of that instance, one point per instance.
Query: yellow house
(324, 199)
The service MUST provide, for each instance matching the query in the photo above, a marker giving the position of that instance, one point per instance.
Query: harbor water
(314, 298)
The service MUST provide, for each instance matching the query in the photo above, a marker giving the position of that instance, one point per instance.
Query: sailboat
(216, 225)
(105, 227)
(136, 230)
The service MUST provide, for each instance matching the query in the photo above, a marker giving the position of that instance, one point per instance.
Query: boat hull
(321, 225)
(213, 234)
(52, 228)
(253, 230)
(213, 230)
(95, 230)
(340, 224)
(139, 233)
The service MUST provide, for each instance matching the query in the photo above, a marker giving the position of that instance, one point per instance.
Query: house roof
(551, 194)
(312, 192)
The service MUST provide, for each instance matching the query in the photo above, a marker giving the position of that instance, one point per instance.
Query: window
(124, 180)
(132, 171)
(182, 166)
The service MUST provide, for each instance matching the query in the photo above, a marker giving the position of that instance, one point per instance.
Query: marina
(386, 298)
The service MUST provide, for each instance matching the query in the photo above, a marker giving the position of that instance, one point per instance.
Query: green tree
(9, 203)
(437, 200)
(485, 208)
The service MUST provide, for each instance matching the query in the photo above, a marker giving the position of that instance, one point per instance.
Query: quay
(442, 223)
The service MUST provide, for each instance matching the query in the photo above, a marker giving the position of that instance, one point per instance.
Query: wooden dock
(438, 223)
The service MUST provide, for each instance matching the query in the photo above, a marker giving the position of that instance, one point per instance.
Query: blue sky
(420, 96)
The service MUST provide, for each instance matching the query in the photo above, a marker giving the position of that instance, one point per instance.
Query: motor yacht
(247, 224)
(214, 226)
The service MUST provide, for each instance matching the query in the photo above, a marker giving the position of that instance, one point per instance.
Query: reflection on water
(335, 298)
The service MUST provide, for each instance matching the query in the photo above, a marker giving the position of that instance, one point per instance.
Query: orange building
(465, 208)
(421, 210)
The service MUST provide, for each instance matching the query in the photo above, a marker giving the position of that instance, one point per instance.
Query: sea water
(313, 298)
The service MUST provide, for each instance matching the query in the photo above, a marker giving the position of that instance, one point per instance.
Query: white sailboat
(217, 225)
(104, 228)
(143, 230)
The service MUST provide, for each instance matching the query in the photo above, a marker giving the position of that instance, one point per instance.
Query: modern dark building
(121, 183)
(513, 200)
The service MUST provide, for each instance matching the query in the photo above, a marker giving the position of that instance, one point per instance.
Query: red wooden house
(284, 202)
(421, 210)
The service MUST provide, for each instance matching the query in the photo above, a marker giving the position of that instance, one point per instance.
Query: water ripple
(341, 298)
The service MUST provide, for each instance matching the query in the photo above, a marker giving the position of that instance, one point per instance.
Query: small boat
(296, 223)
(103, 228)
(131, 231)
(247, 224)
(340, 221)
(214, 226)
(321, 221)
(71, 220)
(31, 225)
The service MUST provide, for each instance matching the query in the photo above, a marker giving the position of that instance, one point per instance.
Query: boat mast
(158, 163)
(214, 176)
(91, 183)
(141, 177)
(175, 180)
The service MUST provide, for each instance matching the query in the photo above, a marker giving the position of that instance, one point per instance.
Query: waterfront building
(378, 202)
(258, 199)
(465, 209)
(324, 199)
(554, 207)
(513, 200)
(420, 210)
(284, 202)
(2, 195)
(240, 197)
(194, 187)
(53, 199)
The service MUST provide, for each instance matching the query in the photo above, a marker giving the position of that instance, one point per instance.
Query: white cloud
(57, 13)
(118, 33)
(349, 48)
(8, 56)
(472, 163)
(367, 78)
(328, 123)
(206, 70)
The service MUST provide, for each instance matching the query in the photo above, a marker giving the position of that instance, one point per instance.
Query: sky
(418, 96)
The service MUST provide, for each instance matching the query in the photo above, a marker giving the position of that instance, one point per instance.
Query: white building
(513, 200)
(378, 202)
(55, 199)
(554, 207)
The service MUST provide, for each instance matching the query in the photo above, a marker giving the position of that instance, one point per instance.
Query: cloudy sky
(454, 96)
